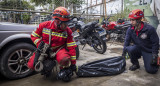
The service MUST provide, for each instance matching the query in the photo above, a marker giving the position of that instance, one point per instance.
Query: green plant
(123, 15)
(26, 18)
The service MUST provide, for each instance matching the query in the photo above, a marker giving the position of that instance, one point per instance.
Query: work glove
(73, 67)
(43, 47)
(65, 74)
(40, 46)
(125, 55)
(154, 59)
(38, 52)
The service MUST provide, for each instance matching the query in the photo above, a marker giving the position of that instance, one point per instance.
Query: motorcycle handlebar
(78, 18)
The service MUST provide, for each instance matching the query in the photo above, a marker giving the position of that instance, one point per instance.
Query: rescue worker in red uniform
(145, 43)
(61, 35)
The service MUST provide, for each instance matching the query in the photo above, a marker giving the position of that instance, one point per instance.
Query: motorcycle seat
(88, 25)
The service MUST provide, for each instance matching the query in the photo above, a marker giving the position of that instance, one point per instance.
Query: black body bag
(104, 67)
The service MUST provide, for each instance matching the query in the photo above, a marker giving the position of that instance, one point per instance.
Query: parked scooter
(90, 33)
(115, 30)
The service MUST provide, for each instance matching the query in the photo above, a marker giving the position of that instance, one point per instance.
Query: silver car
(15, 49)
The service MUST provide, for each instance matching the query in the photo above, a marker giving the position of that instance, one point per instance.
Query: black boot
(48, 65)
(134, 67)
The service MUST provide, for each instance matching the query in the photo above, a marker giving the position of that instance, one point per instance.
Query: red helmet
(136, 14)
(61, 13)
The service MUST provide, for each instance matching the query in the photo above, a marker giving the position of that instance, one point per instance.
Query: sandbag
(104, 67)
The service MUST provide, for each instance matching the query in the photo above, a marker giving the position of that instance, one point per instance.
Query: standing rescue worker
(145, 43)
(61, 35)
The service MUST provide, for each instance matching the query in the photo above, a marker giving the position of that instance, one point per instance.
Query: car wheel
(14, 60)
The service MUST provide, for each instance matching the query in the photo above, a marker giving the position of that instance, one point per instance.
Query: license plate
(78, 43)
(101, 33)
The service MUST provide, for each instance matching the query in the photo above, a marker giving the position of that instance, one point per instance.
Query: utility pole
(64, 3)
(87, 10)
(122, 6)
(21, 20)
(105, 8)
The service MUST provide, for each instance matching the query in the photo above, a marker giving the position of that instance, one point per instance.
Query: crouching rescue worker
(145, 43)
(61, 42)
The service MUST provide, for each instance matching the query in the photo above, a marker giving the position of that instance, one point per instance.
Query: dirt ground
(88, 54)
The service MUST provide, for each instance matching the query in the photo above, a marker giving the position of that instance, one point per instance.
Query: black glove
(73, 67)
(40, 47)
(154, 59)
(38, 51)
(65, 74)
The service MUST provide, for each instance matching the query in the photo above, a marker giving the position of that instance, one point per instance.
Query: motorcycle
(115, 30)
(89, 33)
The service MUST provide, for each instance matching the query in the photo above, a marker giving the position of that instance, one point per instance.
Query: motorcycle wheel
(99, 45)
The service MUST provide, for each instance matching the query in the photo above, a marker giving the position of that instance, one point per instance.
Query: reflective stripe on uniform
(37, 40)
(71, 44)
(73, 57)
(46, 31)
(35, 34)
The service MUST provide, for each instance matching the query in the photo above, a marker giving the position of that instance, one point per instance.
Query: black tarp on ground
(104, 67)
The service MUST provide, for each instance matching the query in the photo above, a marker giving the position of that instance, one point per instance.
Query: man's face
(133, 22)
(62, 25)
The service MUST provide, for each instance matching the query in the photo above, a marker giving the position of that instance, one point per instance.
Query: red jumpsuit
(59, 38)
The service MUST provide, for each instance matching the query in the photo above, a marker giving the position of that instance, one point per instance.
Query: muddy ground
(128, 78)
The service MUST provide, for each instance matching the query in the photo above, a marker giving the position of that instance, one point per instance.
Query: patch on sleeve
(143, 36)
